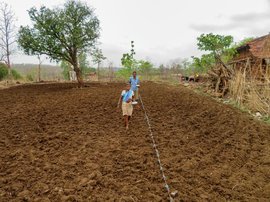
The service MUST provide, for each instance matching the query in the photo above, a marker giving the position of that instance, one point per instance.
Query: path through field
(59, 143)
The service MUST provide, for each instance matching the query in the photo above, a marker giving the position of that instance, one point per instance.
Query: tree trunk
(39, 72)
(98, 71)
(39, 67)
(218, 59)
(76, 68)
(9, 72)
(9, 68)
(79, 76)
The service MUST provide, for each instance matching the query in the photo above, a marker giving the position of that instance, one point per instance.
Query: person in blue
(126, 97)
(135, 83)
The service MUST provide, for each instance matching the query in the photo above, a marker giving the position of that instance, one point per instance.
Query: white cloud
(253, 22)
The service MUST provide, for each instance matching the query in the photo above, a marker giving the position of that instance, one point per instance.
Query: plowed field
(60, 143)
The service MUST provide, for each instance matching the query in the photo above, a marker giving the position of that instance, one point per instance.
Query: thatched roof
(259, 47)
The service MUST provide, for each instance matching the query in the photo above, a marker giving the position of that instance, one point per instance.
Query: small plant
(128, 62)
(29, 77)
(267, 119)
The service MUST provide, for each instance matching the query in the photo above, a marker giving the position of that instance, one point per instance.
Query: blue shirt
(126, 95)
(134, 82)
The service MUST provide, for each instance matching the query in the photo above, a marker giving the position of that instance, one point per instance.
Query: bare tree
(7, 34)
(110, 71)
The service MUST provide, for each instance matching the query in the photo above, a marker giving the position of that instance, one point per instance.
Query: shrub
(29, 77)
(15, 74)
(3, 71)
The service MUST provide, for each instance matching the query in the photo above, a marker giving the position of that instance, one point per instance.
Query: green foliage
(203, 64)
(61, 33)
(214, 43)
(218, 45)
(267, 119)
(66, 68)
(98, 56)
(145, 68)
(15, 74)
(29, 77)
(232, 52)
(243, 42)
(161, 68)
(220, 49)
(90, 69)
(84, 64)
(128, 62)
(124, 73)
(49, 72)
(3, 71)
(127, 59)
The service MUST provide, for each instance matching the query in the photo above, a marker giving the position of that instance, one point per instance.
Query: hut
(254, 58)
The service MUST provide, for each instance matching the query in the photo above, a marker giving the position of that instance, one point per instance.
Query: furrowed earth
(60, 143)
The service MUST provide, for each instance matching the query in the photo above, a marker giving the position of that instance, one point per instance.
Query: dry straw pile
(251, 92)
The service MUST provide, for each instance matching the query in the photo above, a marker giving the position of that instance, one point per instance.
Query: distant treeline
(30, 71)
(26, 68)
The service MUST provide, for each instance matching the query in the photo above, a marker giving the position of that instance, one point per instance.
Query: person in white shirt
(126, 97)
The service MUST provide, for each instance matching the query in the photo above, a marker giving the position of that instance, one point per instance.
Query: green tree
(145, 68)
(204, 63)
(61, 33)
(98, 57)
(128, 62)
(127, 59)
(218, 45)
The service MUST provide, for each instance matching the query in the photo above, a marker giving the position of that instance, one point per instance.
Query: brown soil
(59, 143)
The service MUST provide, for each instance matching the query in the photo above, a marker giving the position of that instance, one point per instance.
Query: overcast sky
(163, 30)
